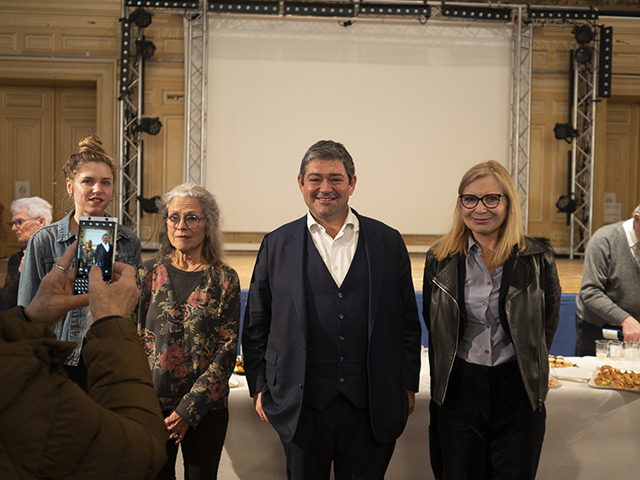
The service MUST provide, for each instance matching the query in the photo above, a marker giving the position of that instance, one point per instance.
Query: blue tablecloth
(564, 343)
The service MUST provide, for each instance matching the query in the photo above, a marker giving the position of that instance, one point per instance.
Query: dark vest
(337, 330)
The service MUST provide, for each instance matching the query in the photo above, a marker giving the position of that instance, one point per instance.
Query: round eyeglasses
(491, 200)
(191, 221)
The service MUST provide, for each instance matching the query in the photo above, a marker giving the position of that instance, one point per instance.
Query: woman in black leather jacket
(491, 305)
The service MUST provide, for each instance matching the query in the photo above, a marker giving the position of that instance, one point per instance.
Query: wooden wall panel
(26, 153)
(75, 119)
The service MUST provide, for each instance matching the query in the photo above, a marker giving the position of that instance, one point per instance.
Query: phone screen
(96, 246)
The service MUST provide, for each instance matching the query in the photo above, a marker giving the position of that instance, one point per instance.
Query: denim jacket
(45, 247)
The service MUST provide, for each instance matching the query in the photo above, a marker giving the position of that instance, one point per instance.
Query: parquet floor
(569, 271)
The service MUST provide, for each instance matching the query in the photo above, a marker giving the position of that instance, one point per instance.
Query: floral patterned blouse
(191, 345)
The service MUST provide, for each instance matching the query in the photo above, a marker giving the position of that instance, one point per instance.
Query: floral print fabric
(191, 345)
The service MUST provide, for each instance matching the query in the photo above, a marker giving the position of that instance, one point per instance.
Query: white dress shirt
(634, 244)
(337, 253)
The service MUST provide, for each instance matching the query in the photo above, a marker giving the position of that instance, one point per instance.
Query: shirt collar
(472, 246)
(350, 220)
(627, 226)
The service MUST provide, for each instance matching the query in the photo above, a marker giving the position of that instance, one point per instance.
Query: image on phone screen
(96, 246)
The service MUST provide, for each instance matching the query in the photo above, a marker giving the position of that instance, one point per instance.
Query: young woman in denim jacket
(89, 178)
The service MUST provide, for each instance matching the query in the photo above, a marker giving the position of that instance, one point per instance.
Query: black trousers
(201, 448)
(486, 428)
(339, 433)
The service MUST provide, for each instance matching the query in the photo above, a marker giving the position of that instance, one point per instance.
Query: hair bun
(92, 143)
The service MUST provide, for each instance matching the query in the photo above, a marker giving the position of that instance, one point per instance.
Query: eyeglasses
(18, 223)
(191, 221)
(492, 200)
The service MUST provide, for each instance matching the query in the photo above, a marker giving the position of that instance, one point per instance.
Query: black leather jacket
(529, 301)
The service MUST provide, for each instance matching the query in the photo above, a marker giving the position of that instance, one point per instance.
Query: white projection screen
(415, 105)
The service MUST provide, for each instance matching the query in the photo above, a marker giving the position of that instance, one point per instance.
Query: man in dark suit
(331, 335)
(104, 254)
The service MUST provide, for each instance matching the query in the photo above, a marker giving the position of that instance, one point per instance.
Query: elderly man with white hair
(28, 215)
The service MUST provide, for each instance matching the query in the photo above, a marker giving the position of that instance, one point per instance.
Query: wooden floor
(569, 271)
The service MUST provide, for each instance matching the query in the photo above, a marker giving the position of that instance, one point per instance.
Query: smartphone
(96, 246)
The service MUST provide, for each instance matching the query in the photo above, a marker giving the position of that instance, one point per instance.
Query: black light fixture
(565, 14)
(583, 33)
(182, 4)
(150, 205)
(395, 9)
(319, 9)
(124, 54)
(584, 54)
(145, 48)
(140, 17)
(604, 64)
(564, 131)
(476, 13)
(150, 125)
(566, 204)
(245, 7)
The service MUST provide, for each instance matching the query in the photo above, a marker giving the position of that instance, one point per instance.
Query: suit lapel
(375, 262)
(294, 255)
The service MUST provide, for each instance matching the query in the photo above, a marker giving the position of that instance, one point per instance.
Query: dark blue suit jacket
(275, 328)
(103, 258)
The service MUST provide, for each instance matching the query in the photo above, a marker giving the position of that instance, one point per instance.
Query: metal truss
(131, 103)
(523, 18)
(195, 24)
(520, 138)
(131, 97)
(582, 152)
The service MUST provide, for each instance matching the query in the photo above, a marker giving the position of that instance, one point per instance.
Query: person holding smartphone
(89, 177)
(50, 428)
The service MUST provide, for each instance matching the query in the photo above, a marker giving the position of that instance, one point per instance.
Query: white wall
(415, 105)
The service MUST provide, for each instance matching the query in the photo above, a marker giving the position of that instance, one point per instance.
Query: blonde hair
(511, 233)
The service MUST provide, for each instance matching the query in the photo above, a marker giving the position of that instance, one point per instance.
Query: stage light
(554, 14)
(124, 54)
(319, 9)
(140, 17)
(604, 64)
(476, 13)
(566, 204)
(149, 205)
(150, 125)
(584, 54)
(564, 131)
(188, 4)
(245, 7)
(145, 48)
(583, 34)
(395, 9)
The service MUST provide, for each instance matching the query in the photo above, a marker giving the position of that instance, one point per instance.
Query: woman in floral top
(188, 320)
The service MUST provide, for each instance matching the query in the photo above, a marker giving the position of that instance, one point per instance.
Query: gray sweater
(610, 290)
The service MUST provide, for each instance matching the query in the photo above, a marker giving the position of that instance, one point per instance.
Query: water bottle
(612, 332)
